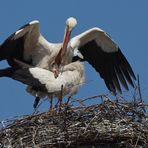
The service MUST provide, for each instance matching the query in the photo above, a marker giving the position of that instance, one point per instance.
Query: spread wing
(105, 56)
(22, 44)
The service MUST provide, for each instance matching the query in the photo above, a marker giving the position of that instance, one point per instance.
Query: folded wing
(44, 80)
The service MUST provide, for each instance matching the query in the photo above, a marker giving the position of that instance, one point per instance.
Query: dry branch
(116, 123)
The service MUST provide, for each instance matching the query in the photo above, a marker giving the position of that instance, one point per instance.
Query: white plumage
(71, 78)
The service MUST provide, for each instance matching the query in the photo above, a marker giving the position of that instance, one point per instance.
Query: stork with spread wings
(52, 65)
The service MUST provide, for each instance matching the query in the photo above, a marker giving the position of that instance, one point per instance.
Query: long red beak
(66, 40)
(62, 51)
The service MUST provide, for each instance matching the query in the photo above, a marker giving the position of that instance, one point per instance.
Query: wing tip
(133, 76)
(28, 24)
(34, 22)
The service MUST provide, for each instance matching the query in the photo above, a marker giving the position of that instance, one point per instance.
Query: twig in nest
(139, 91)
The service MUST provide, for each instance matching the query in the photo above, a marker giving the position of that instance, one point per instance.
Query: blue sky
(126, 21)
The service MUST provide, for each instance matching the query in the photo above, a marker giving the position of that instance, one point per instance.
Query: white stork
(94, 46)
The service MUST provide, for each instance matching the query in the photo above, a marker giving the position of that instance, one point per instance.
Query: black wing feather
(23, 75)
(121, 77)
(13, 48)
(112, 66)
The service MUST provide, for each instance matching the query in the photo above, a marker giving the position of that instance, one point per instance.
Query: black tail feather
(7, 72)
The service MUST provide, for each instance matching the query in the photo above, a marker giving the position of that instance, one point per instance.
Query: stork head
(71, 22)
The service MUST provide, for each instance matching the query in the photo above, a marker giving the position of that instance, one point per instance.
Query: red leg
(51, 107)
(61, 98)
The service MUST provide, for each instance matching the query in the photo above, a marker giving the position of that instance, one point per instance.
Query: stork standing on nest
(50, 60)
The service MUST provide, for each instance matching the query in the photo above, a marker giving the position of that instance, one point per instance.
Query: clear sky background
(126, 21)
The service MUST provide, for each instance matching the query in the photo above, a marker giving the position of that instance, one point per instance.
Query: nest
(107, 124)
